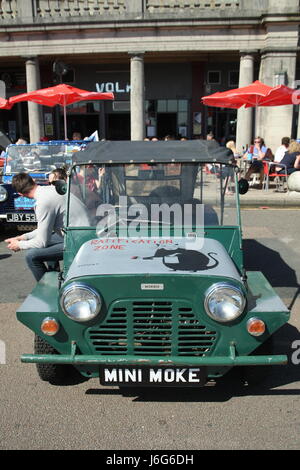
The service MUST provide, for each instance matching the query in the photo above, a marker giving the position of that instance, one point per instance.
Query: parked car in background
(38, 160)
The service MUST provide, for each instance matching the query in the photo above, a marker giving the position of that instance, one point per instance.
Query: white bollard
(294, 181)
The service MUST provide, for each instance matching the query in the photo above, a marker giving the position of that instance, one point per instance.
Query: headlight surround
(3, 194)
(224, 302)
(80, 302)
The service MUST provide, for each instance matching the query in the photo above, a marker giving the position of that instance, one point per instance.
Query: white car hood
(149, 256)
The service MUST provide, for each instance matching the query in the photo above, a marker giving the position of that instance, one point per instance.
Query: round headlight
(80, 302)
(224, 302)
(3, 194)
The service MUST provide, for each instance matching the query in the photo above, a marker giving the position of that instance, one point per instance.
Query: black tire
(52, 373)
(255, 375)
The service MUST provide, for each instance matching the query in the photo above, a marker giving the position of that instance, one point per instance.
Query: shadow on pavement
(5, 256)
(258, 257)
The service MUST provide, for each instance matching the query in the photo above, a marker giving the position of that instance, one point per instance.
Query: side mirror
(243, 186)
(60, 186)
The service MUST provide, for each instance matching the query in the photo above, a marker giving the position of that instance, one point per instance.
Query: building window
(176, 114)
(182, 105)
(162, 106)
(214, 77)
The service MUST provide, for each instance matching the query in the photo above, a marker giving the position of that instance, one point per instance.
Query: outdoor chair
(280, 179)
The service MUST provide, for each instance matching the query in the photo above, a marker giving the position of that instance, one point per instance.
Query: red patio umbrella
(62, 95)
(256, 94)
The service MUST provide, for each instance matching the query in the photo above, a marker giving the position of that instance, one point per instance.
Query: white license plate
(20, 217)
(153, 376)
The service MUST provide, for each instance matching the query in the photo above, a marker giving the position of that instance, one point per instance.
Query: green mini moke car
(152, 289)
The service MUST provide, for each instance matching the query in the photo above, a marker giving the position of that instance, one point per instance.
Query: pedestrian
(57, 174)
(210, 136)
(169, 137)
(76, 136)
(46, 242)
(21, 141)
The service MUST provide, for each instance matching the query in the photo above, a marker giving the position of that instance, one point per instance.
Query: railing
(162, 6)
(63, 8)
(48, 8)
(8, 9)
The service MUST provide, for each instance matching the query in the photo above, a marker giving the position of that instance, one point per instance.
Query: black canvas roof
(148, 151)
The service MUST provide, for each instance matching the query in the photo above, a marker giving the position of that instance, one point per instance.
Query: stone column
(137, 96)
(34, 110)
(275, 122)
(245, 116)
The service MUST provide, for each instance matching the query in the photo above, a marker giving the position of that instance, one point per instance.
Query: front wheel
(52, 373)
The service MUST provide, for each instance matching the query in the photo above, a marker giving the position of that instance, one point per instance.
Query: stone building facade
(159, 57)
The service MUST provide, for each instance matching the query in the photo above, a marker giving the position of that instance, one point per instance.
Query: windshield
(42, 157)
(165, 194)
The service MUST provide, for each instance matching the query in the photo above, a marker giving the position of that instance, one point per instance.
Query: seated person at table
(291, 159)
(282, 149)
(257, 152)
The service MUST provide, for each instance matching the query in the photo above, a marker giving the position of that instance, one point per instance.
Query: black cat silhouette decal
(188, 260)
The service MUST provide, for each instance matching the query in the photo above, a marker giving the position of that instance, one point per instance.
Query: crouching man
(46, 242)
